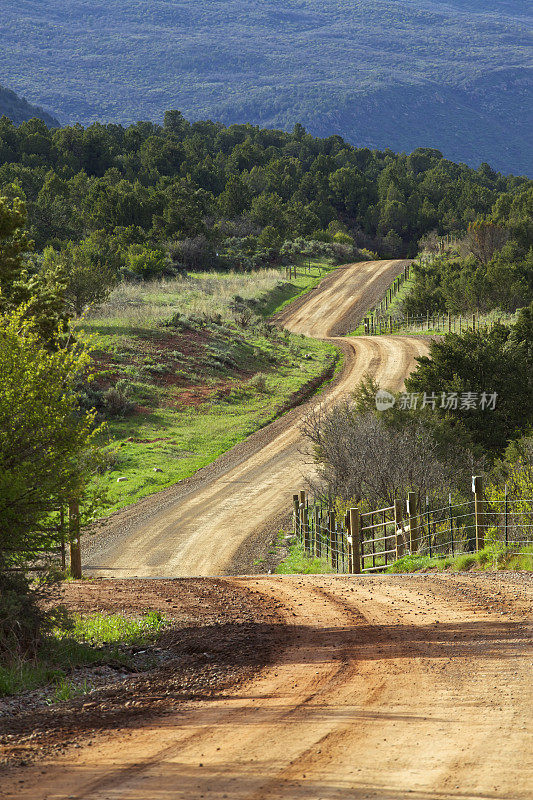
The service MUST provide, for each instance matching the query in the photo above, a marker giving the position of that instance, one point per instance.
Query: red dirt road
(387, 687)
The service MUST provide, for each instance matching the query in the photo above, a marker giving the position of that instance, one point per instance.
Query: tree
(14, 245)
(365, 456)
(87, 277)
(46, 453)
(483, 364)
(485, 238)
(39, 291)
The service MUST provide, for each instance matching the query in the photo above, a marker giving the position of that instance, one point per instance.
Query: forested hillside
(381, 73)
(19, 110)
(150, 200)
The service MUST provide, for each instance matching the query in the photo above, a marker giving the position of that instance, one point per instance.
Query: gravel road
(389, 687)
(217, 522)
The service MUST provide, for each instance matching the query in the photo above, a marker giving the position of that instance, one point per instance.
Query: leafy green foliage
(499, 361)
(44, 441)
(78, 641)
(149, 200)
(492, 268)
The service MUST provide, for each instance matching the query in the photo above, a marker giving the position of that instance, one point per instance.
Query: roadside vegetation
(489, 559)
(368, 458)
(138, 267)
(76, 641)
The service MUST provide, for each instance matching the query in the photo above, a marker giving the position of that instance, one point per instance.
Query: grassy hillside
(381, 73)
(18, 110)
(183, 371)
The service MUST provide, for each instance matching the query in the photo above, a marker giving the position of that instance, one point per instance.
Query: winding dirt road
(386, 687)
(208, 525)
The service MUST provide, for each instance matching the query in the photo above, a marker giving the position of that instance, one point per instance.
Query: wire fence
(371, 541)
(382, 323)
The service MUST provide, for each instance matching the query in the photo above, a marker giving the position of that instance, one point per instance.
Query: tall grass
(202, 294)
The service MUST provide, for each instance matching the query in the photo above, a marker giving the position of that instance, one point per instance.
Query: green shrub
(21, 618)
(259, 383)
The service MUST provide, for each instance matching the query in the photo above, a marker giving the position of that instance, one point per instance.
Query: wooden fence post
(332, 548)
(411, 513)
(398, 529)
(296, 505)
(318, 547)
(355, 528)
(347, 526)
(74, 535)
(62, 537)
(477, 488)
(304, 526)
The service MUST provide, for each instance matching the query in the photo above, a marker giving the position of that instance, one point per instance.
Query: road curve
(200, 526)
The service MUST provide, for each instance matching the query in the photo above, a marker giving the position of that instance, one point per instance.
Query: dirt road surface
(211, 523)
(386, 687)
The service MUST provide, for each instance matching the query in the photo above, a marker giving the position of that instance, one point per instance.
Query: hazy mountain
(18, 109)
(383, 73)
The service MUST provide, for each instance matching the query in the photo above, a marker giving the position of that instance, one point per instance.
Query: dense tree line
(491, 267)
(142, 200)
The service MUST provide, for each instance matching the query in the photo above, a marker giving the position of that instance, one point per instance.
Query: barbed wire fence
(370, 541)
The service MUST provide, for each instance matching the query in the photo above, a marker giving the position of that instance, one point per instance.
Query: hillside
(18, 110)
(382, 73)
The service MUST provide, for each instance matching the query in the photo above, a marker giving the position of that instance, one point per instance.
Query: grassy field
(184, 369)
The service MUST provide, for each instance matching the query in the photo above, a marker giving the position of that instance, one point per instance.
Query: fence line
(370, 541)
(381, 323)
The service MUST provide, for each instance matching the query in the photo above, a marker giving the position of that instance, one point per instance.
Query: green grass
(306, 279)
(489, 559)
(92, 639)
(98, 629)
(199, 386)
(298, 562)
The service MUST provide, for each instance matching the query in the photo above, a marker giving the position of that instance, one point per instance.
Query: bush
(259, 383)
(21, 618)
(116, 403)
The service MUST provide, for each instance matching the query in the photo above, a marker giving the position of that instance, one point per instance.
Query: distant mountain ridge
(18, 110)
(452, 74)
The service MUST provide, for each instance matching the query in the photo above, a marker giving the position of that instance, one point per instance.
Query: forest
(109, 202)
(385, 73)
